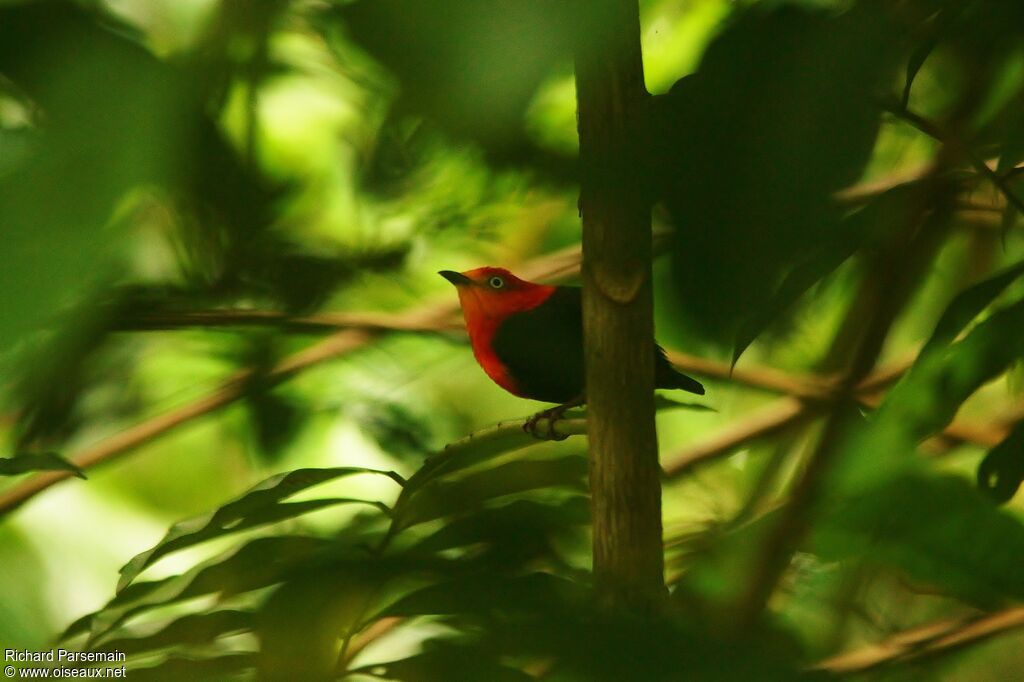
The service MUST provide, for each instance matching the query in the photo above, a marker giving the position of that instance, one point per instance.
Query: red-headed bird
(528, 337)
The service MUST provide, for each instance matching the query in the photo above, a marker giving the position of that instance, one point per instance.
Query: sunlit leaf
(443, 497)
(302, 624)
(193, 629)
(471, 450)
(967, 305)
(258, 563)
(257, 507)
(175, 668)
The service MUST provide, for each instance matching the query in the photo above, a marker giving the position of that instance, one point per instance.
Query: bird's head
(491, 294)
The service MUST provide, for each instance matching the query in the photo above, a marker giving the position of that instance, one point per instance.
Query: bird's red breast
(488, 297)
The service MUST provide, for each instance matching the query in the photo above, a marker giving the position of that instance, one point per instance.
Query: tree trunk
(625, 483)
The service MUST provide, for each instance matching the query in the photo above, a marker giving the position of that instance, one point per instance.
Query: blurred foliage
(193, 193)
(750, 148)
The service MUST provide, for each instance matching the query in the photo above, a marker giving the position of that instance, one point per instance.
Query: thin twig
(861, 193)
(924, 641)
(855, 195)
(789, 411)
(323, 322)
(770, 419)
(366, 327)
(806, 396)
(765, 378)
(438, 317)
(556, 266)
(230, 391)
(552, 267)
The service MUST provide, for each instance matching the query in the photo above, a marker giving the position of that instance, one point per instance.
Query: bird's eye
(496, 282)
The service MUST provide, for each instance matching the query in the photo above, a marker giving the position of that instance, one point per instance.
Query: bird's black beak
(456, 278)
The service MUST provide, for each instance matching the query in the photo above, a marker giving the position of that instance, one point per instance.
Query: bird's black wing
(543, 347)
(543, 350)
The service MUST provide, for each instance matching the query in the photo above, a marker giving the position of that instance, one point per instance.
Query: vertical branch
(618, 311)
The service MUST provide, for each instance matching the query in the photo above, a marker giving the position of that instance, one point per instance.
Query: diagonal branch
(766, 378)
(770, 419)
(436, 315)
(323, 322)
(556, 266)
(924, 641)
(442, 316)
(806, 399)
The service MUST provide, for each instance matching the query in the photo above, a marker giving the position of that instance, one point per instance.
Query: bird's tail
(681, 381)
(667, 376)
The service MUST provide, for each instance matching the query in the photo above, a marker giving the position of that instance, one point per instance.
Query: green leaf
(884, 215)
(933, 390)
(448, 662)
(926, 399)
(442, 497)
(1001, 472)
(540, 617)
(473, 449)
(512, 45)
(748, 152)
(48, 461)
(936, 530)
(194, 629)
(274, 420)
(1003, 92)
(968, 304)
(175, 668)
(518, 524)
(795, 283)
(531, 593)
(256, 564)
(257, 507)
(115, 118)
(914, 64)
(301, 625)
(1012, 152)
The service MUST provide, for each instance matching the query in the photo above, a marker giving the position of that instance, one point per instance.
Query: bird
(528, 338)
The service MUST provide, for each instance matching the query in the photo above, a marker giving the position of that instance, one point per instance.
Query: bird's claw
(552, 415)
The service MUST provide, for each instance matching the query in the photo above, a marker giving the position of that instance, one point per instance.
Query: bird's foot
(550, 417)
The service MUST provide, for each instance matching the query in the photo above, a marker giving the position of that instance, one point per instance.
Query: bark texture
(618, 311)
